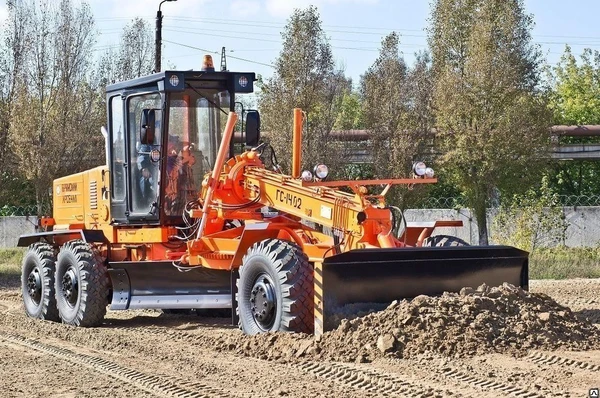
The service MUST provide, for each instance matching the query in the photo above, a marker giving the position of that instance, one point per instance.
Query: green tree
(491, 118)
(576, 88)
(575, 100)
(305, 77)
(350, 116)
(397, 114)
(531, 220)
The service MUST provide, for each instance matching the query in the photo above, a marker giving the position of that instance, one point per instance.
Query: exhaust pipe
(106, 144)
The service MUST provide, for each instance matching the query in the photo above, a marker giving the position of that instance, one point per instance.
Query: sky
(250, 30)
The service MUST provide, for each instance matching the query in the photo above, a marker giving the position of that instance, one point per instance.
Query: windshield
(195, 128)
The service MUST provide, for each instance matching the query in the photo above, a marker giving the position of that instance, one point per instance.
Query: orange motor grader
(182, 217)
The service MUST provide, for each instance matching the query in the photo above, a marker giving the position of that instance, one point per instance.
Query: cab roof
(239, 82)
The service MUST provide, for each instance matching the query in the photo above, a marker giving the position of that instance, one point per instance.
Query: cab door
(145, 133)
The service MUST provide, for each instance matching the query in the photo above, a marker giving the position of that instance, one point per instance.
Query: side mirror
(252, 128)
(147, 127)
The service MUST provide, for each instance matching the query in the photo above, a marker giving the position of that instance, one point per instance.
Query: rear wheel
(37, 282)
(275, 289)
(81, 285)
(443, 241)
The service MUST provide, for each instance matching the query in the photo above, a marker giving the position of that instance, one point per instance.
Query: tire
(443, 241)
(82, 285)
(37, 282)
(275, 275)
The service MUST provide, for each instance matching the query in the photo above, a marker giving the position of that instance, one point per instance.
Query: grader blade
(346, 281)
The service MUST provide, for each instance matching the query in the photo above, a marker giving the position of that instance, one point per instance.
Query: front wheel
(275, 289)
(81, 285)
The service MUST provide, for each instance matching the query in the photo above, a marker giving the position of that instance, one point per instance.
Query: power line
(216, 52)
(170, 29)
(273, 25)
(265, 24)
(225, 36)
(279, 24)
(383, 33)
(267, 40)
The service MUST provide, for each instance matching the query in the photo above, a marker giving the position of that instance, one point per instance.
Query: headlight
(321, 171)
(155, 155)
(419, 168)
(306, 176)
(429, 173)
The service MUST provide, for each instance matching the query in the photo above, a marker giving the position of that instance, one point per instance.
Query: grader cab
(185, 215)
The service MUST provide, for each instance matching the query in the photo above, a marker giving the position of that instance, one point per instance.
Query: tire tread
(46, 256)
(93, 282)
(296, 277)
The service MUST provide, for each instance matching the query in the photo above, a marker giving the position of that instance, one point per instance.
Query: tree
(52, 128)
(304, 77)
(491, 118)
(134, 57)
(531, 220)
(136, 52)
(575, 100)
(12, 49)
(576, 95)
(396, 112)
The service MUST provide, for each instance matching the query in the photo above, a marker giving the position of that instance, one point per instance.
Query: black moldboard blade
(384, 275)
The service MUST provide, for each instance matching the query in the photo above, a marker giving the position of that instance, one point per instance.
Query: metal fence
(460, 202)
(457, 202)
(33, 210)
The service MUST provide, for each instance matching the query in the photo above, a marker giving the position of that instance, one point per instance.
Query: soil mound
(504, 319)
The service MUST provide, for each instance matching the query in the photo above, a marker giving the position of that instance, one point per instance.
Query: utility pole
(158, 38)
(223, 60)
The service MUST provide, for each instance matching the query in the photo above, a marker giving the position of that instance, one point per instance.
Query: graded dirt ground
(480, 343)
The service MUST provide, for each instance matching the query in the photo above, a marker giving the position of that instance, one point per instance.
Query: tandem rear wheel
(81, 284)
(37, 282)
(275, 289)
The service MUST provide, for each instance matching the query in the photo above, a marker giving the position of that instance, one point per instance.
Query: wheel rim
(70, 286)
(263, 302)
(34, 286)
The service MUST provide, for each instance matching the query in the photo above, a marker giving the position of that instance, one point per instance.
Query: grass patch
(10, 267)
(564, 263)
(10, 261)
(544, 263)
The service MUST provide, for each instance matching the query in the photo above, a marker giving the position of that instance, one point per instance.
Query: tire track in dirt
(372, 381)
(551, 359)
(487, 384)
(348, 375)
(579, 302)
(154, 385)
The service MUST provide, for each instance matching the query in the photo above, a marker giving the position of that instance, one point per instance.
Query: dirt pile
(502, 319)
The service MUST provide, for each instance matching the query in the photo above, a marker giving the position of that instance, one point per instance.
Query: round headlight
(306, 176)
(429, 173)
(321, 171)
(155, 155)
(419, 168)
